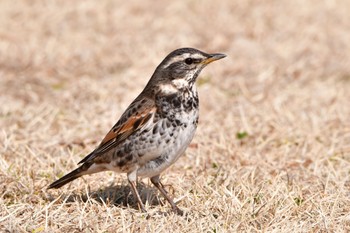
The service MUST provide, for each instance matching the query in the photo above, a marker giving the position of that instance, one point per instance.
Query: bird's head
(180, 69)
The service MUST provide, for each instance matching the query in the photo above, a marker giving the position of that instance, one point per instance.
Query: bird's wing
(134, 118)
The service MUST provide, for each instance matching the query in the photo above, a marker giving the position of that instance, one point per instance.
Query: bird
(155, 129)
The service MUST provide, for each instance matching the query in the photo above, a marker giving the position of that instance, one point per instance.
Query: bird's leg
(132, 181)
(155, 180)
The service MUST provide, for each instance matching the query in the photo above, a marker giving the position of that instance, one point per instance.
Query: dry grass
(272, 152)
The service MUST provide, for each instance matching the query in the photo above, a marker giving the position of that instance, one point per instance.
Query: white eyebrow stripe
(182, 57)
(176, 59)
(197, 56)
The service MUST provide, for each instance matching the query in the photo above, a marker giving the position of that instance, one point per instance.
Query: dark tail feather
(67, 178)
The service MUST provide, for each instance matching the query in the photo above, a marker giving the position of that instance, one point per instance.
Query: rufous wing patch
(110, 135)
(123, 131)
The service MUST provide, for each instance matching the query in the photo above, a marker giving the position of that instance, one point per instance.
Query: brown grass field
(272, 150)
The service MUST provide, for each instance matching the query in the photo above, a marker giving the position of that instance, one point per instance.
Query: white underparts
(175, 86)
(180, 83)
(168, 89)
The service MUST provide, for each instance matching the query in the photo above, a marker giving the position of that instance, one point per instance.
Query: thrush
(156, 128)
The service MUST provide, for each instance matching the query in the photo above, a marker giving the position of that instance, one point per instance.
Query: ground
(272, 150)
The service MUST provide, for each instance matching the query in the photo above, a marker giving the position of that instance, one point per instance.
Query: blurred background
(70, 56)
(277, 104)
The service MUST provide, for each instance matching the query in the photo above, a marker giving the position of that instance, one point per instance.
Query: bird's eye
(189, 61)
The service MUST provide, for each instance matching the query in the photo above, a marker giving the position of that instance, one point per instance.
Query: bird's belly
(169, 146)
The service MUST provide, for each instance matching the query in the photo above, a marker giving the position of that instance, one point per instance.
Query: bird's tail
(80, 171)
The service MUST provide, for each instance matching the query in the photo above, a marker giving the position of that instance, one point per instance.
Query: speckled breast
(176, 123)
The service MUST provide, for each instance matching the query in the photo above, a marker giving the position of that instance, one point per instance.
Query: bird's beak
(213, 57)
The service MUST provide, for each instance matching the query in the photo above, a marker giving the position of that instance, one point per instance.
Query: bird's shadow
(117, 195)
(122, 196)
